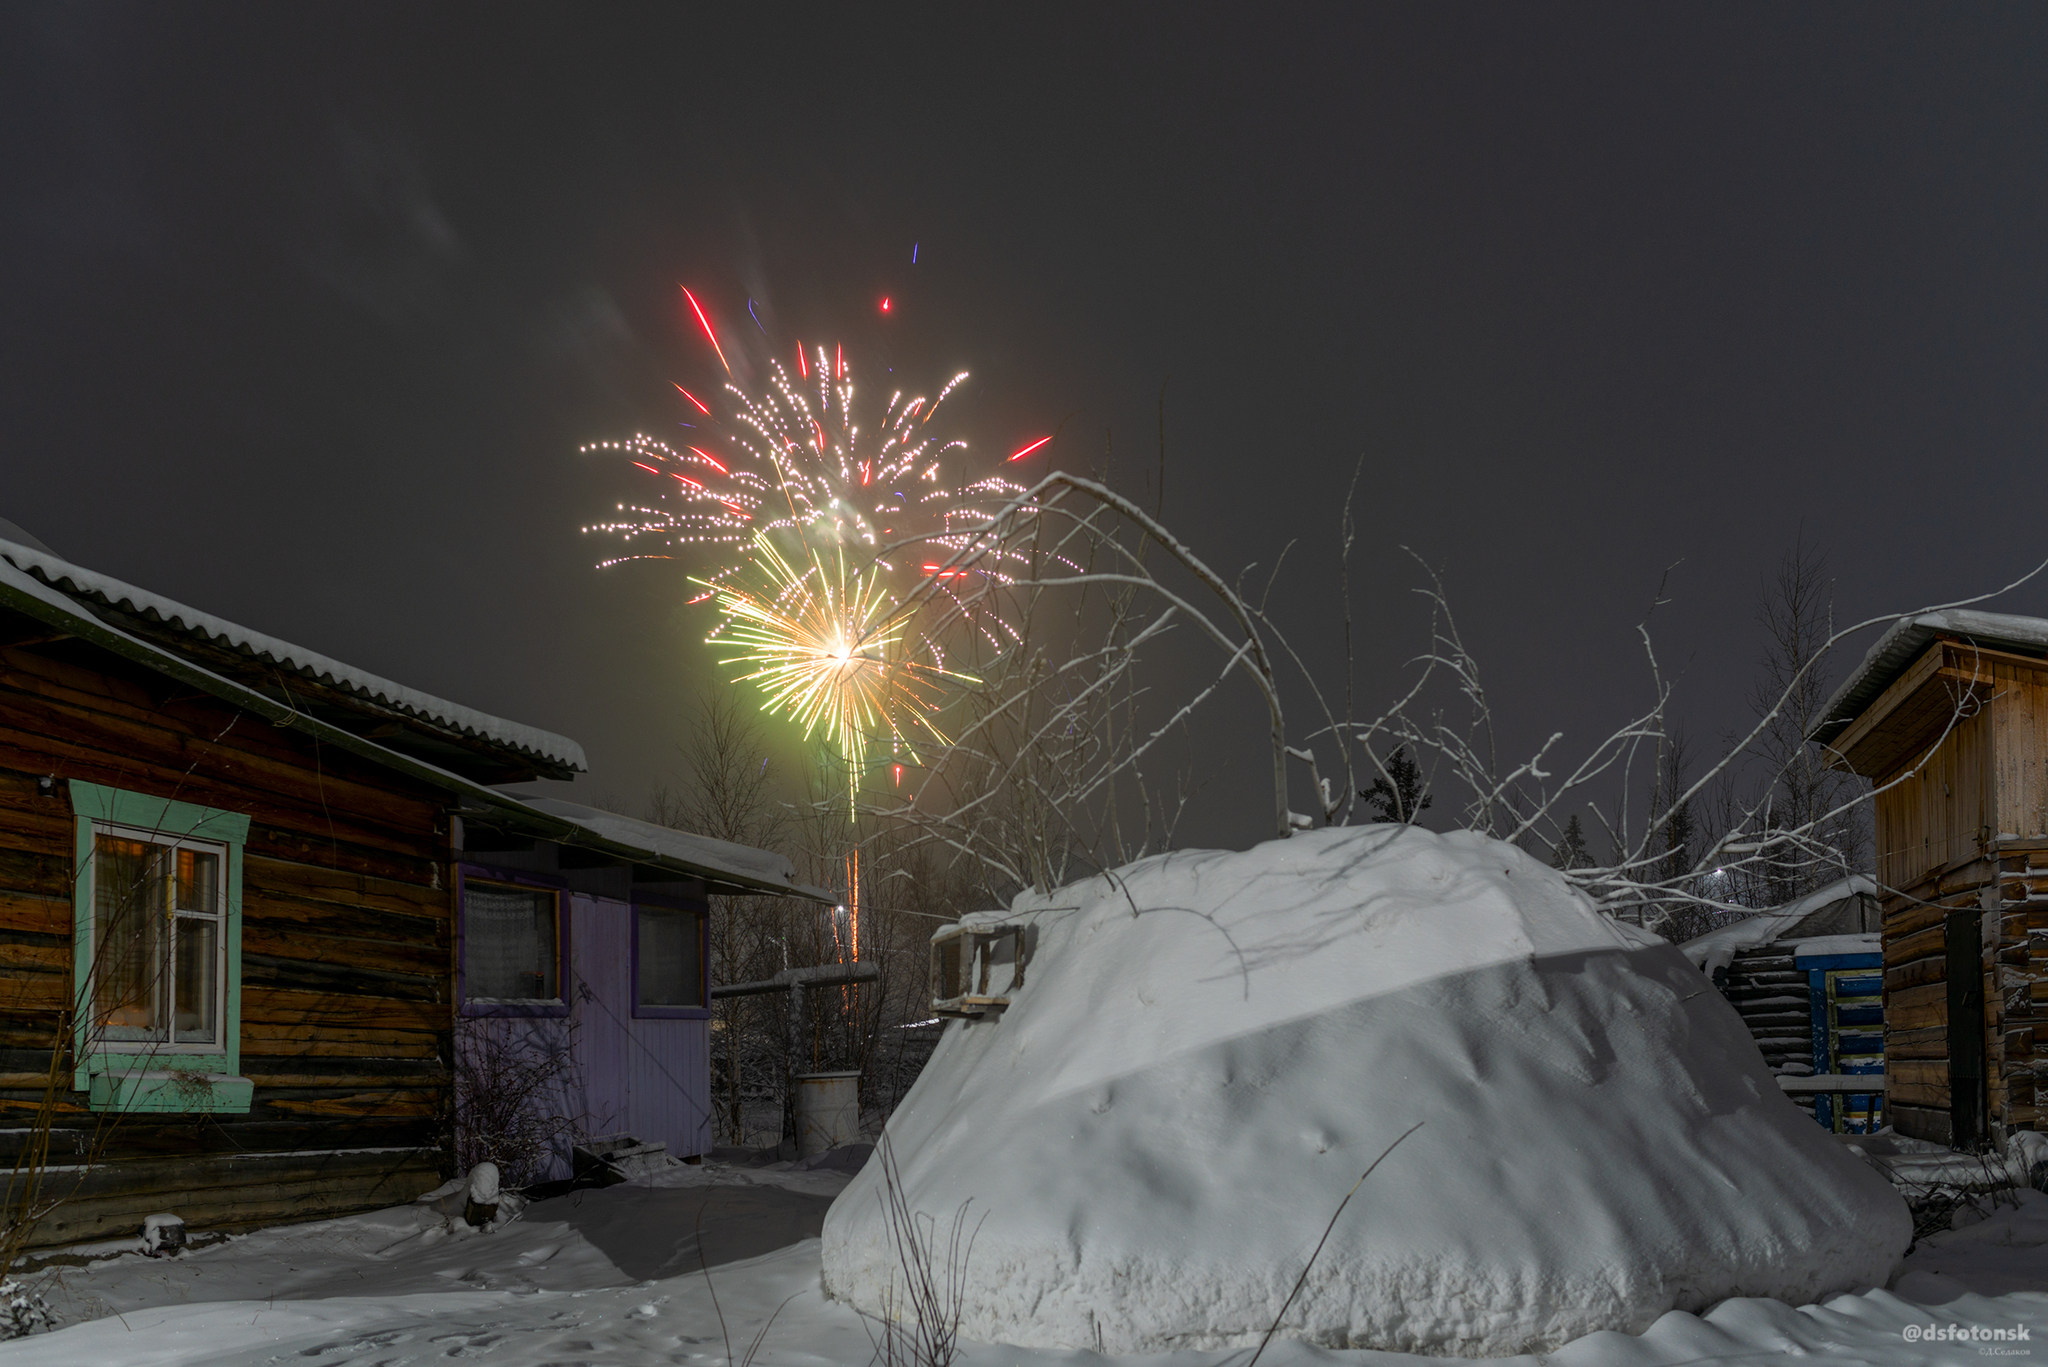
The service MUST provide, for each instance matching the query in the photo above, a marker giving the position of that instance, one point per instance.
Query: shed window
(511, 944)
(668, 957)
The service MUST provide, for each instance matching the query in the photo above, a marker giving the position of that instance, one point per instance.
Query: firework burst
(811, 510)
(801, 462)
(829, 648)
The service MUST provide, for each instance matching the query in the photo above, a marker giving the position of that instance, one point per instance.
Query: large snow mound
(1209, 1048)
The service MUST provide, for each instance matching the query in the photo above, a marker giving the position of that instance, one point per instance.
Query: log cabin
(1806, 978)
(1948, 717)
(248, 895)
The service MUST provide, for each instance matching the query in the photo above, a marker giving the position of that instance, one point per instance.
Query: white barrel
(827, 1111)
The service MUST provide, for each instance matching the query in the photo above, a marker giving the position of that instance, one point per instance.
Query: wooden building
(237, 941)
(635, 1024)
(1806, 979)
(1948, 717)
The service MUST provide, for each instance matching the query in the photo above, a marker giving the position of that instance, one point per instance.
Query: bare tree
(1061, 725)
(894, 896)
(1053, 769)
(1797, 789)
(516, 1086)
(729, 792)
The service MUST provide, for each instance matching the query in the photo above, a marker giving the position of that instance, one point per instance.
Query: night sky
(308, 309)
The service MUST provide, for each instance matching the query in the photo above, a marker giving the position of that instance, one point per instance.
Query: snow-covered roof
(1905, 640)
(15, 532)
(721, 860)
(1715, 948)
(24, 592)
(100, 593)
(1827, 946)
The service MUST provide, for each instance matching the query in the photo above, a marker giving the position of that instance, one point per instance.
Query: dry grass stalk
(923, 1329)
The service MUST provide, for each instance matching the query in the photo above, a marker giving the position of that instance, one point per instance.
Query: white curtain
(508, 944)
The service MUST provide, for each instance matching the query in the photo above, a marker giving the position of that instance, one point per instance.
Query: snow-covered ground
(556, 1288)
(1206, 1052)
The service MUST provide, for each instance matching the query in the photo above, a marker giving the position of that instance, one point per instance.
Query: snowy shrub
(514, 1080)
(1967, 1189)
(22, 1311)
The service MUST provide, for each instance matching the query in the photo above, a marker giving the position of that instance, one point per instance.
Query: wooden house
(1948, 717)
(248, 892)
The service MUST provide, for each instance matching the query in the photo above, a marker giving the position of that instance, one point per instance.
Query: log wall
(346, 957)
(1916, 994)
(1771, 994)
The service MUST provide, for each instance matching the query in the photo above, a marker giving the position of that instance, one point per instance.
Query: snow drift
(1210, 1048)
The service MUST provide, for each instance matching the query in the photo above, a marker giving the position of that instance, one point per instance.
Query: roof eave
(54, 608)
(170, 626)
(59, 611)
(1903, 642)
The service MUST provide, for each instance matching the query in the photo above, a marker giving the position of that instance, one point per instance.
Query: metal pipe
(790, 979)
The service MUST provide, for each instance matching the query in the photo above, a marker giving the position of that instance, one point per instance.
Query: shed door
(1965, 1029)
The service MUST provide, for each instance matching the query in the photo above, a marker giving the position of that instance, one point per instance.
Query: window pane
(671, 969)
(128, 911)
(508, 944)
(198, 883)
(197, 979)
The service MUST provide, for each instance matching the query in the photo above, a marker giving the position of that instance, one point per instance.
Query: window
(668, 960)
(157, 962)
(512, 943)
(159, 975)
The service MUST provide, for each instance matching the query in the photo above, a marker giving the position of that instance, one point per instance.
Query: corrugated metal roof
(94, 590)
(1905, 640)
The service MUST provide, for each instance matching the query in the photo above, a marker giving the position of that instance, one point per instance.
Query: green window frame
(138, 1075)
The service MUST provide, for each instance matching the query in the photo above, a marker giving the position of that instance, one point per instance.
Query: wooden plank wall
(345, 968)
(1931, 858)
(1916, 1000)
(1936, 818)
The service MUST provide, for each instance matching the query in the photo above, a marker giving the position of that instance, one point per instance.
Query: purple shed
(591, 951)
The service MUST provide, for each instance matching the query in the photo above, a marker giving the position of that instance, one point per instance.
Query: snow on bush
(22, 1311)
(515, 1083)
(1211, 1047)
